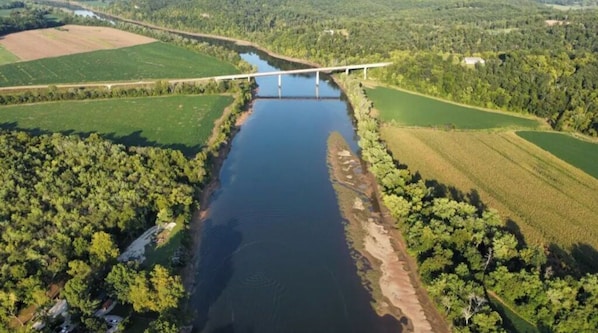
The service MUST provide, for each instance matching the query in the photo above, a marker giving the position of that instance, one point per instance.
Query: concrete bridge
(247, 76)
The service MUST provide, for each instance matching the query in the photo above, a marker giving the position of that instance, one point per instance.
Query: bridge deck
(201, 79)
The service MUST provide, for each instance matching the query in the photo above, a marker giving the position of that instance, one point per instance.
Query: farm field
(581, 154)
(549, 201)
(142, 62)
(179, 122)
(68, 39)
(409, 109)
(6, 57)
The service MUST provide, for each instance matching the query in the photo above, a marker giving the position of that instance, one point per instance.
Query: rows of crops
(549, 200)
(582, 154)
(148, 61)
(543, 183)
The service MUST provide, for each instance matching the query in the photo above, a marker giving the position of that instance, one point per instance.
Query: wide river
(273, 255)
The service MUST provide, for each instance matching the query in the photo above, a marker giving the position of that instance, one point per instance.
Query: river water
(273, 255)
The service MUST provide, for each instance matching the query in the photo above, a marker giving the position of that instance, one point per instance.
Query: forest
(539, 60)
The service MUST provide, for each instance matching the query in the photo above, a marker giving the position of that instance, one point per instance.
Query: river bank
(385, 272)
(216, 161)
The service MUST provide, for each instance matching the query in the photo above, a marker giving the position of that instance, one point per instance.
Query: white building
(473, 60)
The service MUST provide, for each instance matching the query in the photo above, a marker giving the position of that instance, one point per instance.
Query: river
(273, 254)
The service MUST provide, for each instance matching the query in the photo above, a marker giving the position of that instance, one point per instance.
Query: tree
(102, 249)
(77, 294)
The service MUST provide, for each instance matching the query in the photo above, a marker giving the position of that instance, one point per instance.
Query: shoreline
(383, 267)
(202, 212)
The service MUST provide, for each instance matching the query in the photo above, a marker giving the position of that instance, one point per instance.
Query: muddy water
(273, 256)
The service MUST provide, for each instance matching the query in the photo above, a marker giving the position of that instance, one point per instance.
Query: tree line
(25, 18)
(465, 254)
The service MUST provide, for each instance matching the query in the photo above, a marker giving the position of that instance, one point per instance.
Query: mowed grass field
(409, 109)
(179, 122)
(549, 200)
(141, 62)
(582, 154)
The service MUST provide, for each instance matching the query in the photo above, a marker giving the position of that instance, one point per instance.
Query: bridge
(247, 76)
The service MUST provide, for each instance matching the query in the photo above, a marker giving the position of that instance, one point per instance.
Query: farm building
(473, 60)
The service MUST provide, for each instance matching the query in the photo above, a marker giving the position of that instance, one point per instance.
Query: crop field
(549, 201)
(141, 62)
(582, 154)
(408, 109)
(179, 122)
(68, 39)
(6, 57)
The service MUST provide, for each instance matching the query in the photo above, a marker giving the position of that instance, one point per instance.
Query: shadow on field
(129, 140)
(581, 258)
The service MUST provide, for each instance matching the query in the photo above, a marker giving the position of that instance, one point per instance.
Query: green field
(179, 122)
(6, 57)
(149, 61)
(408, 109)
(581, 154)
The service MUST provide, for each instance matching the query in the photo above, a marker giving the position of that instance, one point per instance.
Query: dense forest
(465, 255)
(89, 198)
(539, 60)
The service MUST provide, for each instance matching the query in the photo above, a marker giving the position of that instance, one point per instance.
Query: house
(473, 60)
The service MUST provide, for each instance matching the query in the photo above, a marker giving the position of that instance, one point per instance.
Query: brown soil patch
(68, 39)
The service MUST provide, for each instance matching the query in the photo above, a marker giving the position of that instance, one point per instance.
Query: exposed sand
(395, 282)
(68, 39)
(390, 274)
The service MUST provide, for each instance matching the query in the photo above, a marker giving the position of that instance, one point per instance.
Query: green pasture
(142, 62)
(415, 110)
(178, 122)
(6, 57)
(579, 153)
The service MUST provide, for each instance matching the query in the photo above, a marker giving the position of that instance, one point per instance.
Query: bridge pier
(347, 71)
(317, 79)
(279, 81)
(365, 73)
